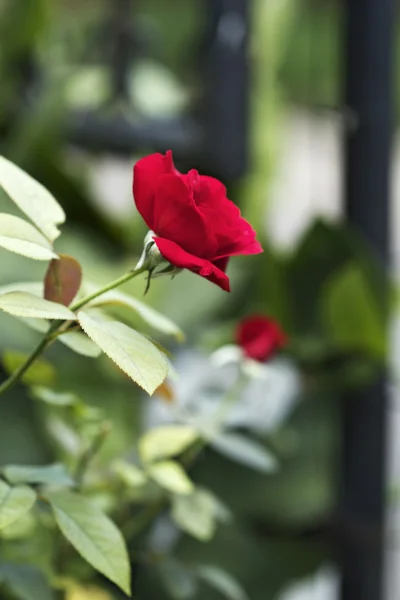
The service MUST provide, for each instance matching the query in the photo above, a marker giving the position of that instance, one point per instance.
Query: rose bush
(195, 225)
(150, 470)
(260, 337)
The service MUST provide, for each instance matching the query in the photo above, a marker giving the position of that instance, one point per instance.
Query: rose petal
(221, 263)
(176, 218)
(191, 179)
(242, 246)
(239, 239)
(234, 234)
(209, 190)
(145, 175)
(174, 254)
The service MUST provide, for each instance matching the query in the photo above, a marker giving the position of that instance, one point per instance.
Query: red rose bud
(195, 225)
(260, 337)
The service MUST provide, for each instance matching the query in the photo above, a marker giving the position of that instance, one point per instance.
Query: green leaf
(222, 581)
(14, 502)
(25, 582)
(80, 343)
(195, 514)
(179, 582)
(39, 325)
(62, 280)
(32, 287)
(325, 246)
(54, 398)
(23, 304)
(171, 477)
(93, 535)
(74, 340)
(21, 529)
(41, 372)
(21, 237)
(65, 436)
(55, 474)
(245, 451)
(130, 350)
(222, 512)
(148, 314)
(129, 474)
(352, 316)
(32, 198)
(166, 441)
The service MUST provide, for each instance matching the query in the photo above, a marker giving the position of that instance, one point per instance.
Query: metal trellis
(369, 49)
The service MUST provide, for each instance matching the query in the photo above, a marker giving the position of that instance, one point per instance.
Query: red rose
(196, 227)
(260, 337)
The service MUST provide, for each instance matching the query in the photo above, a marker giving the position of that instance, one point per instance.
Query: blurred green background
(325, 290)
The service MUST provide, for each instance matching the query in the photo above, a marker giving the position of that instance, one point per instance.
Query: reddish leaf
(62, 280)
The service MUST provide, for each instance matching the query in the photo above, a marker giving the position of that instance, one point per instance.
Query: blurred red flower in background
(260, 337)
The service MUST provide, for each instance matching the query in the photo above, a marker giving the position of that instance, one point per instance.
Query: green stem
(111, 286)
(51, 335)
(18, 373)
(91, 451)
(140, 522)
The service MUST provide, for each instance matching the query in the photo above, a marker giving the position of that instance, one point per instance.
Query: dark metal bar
(226, 71)
(120, 135)
(369, 96)
(122, 37)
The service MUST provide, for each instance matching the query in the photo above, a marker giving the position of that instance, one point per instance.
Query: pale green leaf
(130, 350)
(54, 398)
(74, 340)
(222, 512)
(32, 287)
(130, 474)
(24, 304)
(222, 581)
(166, 441)
(14, 502)
(93, 535)
(65, 436)
(80, 343)
(195, 514)
(32, 198)
(55, 474)
(39, 325)
(25, 582)
(170, 475)
(16, 235)
(148, 314)
(20, 529)
(245, 451)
